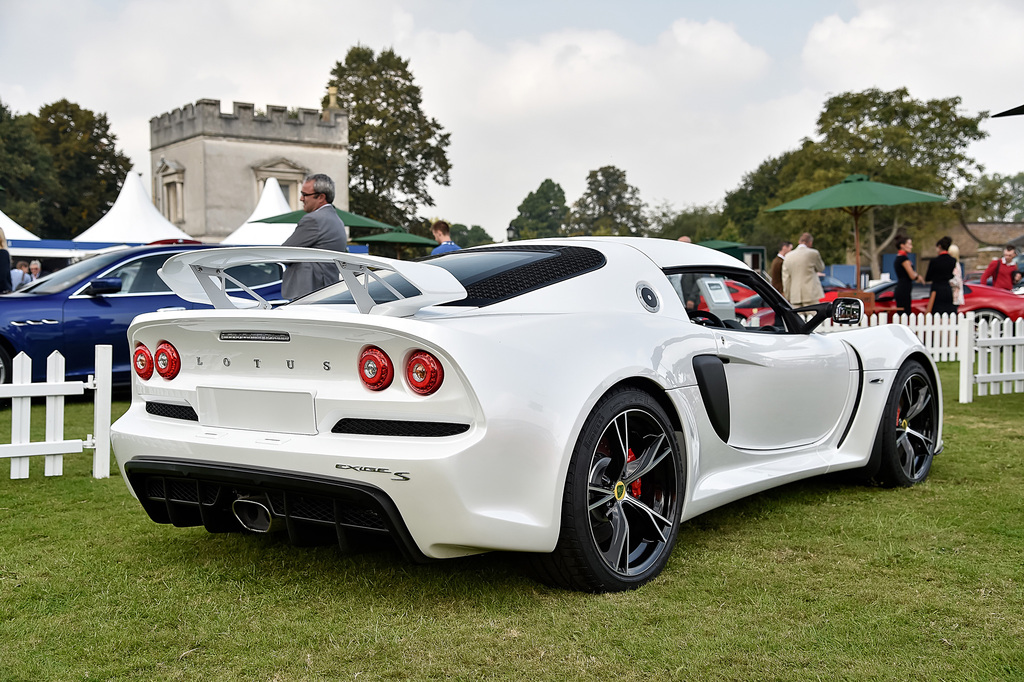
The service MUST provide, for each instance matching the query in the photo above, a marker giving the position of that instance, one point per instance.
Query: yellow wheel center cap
(905, 425)
(620, 490)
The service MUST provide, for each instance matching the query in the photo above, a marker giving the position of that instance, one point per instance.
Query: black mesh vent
(360, 518)
(155, 488)
(387, 427)
(312, 508)
(566, 262)
(276, 501)
(172, 411)
(182, 491)
(208, 493)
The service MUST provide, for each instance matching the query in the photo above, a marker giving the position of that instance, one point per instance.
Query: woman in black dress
(905, 274)
(940, 271)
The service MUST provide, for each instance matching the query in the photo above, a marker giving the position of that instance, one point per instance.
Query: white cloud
(685, 112)
(937, 49)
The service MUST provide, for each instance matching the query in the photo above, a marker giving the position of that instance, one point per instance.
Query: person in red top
(1002, 270)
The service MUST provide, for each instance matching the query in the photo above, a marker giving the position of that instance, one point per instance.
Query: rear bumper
(187, 493)
(492, 487)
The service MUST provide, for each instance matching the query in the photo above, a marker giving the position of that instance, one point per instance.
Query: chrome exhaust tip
(254, 514)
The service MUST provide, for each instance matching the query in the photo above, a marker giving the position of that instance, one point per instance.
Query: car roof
(665, 253)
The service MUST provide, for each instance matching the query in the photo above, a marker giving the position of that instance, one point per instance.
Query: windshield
(72, 274)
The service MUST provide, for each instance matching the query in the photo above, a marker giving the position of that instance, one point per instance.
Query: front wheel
(623, 498)
(908, 434)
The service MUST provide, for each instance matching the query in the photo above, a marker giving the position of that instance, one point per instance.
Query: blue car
(93, 301)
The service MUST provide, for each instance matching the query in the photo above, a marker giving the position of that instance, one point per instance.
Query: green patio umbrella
(406, 238)
(398, 239)
(350, 220)
(857, 195)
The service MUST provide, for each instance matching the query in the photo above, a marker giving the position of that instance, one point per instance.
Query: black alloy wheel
(908, 434)
(623, 498)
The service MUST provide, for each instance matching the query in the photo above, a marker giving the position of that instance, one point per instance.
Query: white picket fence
(940, 334)
(21, 390)
(992, 358)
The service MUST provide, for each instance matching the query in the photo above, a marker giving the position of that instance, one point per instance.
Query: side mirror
(847, 310)
(103, 285)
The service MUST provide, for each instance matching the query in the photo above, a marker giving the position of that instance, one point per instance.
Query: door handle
(171, 309)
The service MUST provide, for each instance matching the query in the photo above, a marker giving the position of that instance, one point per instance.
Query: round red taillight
(142, 361)
(424, 372)
(167, 360)
(376, 369)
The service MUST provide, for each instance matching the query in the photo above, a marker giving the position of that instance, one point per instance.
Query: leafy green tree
(609, 206)
(470, 236)
(1000, 198)
(87, 167)
(26, 172)
(699, 223)
(394, 148)
(543, 213)
(892, 138)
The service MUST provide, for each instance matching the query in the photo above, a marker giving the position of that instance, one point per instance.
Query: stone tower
(208, 167)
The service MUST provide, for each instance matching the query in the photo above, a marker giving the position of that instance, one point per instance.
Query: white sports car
(577, 399)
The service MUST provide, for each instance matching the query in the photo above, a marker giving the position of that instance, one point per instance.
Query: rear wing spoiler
(202, 277)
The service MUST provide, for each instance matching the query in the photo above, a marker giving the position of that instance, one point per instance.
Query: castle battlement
(277, 125)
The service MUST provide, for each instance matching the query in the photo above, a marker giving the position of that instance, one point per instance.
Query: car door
(90, 320)
(785, 390)
(768, 387)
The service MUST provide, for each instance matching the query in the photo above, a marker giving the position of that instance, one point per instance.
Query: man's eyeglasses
(309, 194)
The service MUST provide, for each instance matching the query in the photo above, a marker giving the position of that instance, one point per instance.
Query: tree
(543, 213)
(87, 167)
(26, 172)
(1002, 198)
(743, 207)
(892, 138)
(699, 223)
(609, 206)
(470, 236)
(394, 148)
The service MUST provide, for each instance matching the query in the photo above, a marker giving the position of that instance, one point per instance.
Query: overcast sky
(685, 96)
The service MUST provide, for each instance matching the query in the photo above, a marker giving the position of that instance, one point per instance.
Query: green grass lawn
(815, 580)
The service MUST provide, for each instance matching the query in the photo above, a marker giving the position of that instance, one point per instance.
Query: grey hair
(322, 184)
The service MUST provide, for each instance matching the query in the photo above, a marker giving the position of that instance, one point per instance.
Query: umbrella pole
(856, 244)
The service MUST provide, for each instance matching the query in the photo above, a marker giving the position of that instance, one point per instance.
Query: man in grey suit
(320, 228)
(800, 268)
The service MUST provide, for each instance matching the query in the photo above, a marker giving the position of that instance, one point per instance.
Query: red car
(986, 302)
(746, 307)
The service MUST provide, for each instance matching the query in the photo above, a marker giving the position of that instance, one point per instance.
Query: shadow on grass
(374, 565)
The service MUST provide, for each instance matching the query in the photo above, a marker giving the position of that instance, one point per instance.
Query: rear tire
(622, 501)
(907, 436)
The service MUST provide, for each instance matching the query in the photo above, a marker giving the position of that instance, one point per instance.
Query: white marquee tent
(13, 230)
(133, 219)
(271, 203)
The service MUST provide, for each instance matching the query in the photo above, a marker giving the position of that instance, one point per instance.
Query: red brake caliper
(634, 487)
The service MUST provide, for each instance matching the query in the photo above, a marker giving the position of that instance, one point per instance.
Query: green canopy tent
(857, 195)
(754, 256)
(397, 239)
(351, 220)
